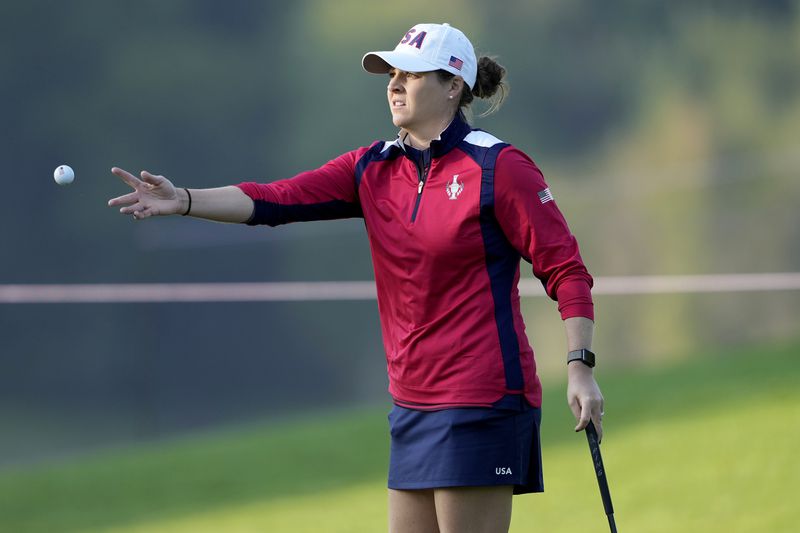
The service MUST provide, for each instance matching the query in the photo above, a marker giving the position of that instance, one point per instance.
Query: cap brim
(382, 62)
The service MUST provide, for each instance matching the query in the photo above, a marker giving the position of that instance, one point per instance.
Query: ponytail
(489, 85)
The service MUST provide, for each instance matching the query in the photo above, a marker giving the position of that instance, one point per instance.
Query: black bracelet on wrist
(189, 207)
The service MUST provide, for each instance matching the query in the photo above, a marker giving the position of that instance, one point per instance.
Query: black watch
(584, 356)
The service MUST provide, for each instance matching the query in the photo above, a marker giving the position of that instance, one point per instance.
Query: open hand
(151, 196)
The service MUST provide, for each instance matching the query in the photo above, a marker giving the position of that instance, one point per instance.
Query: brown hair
(489, 85)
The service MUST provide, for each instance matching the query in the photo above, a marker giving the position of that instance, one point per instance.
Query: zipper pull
(419, 187)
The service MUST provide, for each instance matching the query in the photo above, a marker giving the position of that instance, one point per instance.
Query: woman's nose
(394, 85)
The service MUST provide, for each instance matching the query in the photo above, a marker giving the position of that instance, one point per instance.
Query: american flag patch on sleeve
(545, 196)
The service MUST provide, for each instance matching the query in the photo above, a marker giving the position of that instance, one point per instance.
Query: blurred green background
(669, 133)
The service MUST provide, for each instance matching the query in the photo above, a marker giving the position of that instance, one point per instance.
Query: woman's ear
(456, 86)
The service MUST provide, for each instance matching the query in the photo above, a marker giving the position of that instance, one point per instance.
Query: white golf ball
(64, 175)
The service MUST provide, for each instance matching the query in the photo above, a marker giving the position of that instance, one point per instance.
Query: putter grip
(599, 469)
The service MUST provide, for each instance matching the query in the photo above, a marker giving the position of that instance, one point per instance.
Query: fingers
(583, 419)
(151, 179)
(137, 203)
(127, 177)
(132, 209)
(124, 199)
(144, 213)
(597, 419)
(593, 413)
(136, 207)
(575, 407)
(138, 211)
(586, 408)
(584, 397)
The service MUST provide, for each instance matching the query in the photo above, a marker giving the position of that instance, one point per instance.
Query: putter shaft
(600, 472)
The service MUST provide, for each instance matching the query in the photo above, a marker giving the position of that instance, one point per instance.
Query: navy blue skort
(471, 446)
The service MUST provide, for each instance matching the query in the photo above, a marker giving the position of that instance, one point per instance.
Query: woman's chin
(398, 121)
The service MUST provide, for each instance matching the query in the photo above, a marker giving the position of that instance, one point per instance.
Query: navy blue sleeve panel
(532, 222)
(274, 214)
(327, 193)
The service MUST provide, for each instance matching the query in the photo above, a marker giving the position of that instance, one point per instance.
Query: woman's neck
(421, 138)
(414, 141)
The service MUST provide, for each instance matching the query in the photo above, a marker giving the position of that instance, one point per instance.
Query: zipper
(423, 166)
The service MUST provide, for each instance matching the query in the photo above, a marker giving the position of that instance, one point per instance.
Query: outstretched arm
(157, 196)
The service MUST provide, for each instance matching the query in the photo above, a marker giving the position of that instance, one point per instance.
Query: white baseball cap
(428, 47)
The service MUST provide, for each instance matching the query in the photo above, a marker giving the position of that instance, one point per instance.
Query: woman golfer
(449, 211)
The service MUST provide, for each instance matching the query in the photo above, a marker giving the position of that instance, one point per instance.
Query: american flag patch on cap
(545, 196)
(456, 62)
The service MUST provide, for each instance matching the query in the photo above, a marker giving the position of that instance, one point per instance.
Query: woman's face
(420, 102)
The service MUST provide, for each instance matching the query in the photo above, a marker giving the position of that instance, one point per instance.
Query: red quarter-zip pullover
(447, 230)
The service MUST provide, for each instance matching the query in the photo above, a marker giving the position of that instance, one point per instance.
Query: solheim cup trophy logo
(454, 188)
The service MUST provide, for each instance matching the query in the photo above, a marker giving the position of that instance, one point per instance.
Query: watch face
(585, 356)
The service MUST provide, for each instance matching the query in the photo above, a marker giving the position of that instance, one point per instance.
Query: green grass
(705, 445)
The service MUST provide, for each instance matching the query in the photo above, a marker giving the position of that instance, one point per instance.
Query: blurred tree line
(668, 131)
